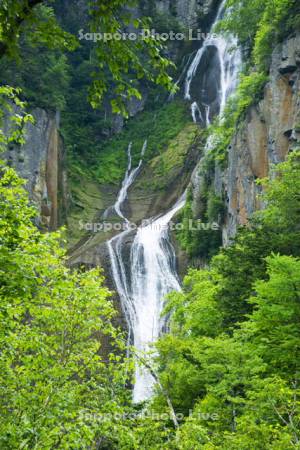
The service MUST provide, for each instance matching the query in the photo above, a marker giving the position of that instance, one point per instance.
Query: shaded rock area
(41, 162)
(190, 13)
(205, 86)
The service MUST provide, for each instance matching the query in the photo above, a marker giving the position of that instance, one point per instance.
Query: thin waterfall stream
(152, 267)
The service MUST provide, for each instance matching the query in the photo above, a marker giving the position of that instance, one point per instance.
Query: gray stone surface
(40, 161)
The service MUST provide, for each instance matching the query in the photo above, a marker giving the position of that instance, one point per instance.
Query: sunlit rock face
(41, 162)
(270, 132)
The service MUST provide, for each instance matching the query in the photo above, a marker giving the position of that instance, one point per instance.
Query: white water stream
(150, 273)
(230, 59)
(153, 275)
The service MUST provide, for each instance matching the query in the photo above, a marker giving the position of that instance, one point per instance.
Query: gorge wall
(271, 130)
(41, 163)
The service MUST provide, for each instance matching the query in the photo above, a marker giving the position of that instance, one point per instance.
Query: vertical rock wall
(190, 13)
(271, 130)
(41, 162)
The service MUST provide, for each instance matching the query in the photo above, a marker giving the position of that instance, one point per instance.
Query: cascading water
(207, 115)
(229, 56)
(196, 113)
(115, 245)
(153, 275)
(152, 272)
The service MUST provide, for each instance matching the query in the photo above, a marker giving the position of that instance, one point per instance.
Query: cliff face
(271, 130)
(190, 13)
(41, 162)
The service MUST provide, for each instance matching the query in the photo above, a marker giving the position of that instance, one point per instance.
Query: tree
(261, 25)
(62, 386)
(57, 377)
(119, 62)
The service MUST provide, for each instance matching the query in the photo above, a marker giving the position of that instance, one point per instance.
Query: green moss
(86, 203)
(165, 165)
(159, 127)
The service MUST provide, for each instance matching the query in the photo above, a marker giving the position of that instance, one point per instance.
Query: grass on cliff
(158, 126)
(166, 166)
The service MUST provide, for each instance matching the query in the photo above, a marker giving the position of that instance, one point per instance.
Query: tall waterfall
(152, 276)
(151, 273)
(115, 244)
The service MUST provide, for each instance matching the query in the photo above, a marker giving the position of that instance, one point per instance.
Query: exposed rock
(40, 161)
(188, 12)
(162, 180)
(270, 131)
(289, 53)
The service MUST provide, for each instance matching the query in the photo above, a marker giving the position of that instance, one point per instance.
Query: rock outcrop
(269, 133)
(189, 13)
(41, 162)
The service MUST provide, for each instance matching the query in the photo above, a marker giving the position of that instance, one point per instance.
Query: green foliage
(262, 25)
(196, 236)
(61, 359)
(118, 64)
(126, 61)
(274, 17)
(273, 229)
(34, 18)
(215, 207)
(55, 376)
(9, 100)
(42, 75)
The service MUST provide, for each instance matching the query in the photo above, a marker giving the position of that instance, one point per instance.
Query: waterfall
(153, 274)
(196, 112)
(129, 178)
(115, 245)
(150, 273)
(229, 56)
(207, 115)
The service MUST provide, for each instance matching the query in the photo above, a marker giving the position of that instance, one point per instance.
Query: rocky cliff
(190, 13)
(41, 162)
(270, 131)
